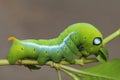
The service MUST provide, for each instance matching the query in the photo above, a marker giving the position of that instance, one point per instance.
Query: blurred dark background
(46, 19)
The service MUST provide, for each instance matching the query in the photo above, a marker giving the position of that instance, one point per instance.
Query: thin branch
(74, 76)
(82, 61)
(111, 37)
(4, 62)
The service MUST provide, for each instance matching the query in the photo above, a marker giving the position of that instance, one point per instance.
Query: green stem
(59, 74)
(75, 77)
(23, 62)
(4, 62)
(111, 37)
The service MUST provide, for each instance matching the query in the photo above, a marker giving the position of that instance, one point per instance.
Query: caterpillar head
(91, 41)
(16, 51)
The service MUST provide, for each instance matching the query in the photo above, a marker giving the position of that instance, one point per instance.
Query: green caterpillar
(80, 39)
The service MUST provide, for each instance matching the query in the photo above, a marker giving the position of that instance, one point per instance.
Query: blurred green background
(46, 19)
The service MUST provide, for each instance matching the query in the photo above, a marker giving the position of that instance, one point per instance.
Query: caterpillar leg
(68, 55)
(57, 58)
(56, 55)
(42, 60)
(44, 56)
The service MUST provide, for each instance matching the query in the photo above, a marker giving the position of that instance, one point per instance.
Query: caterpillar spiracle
(80, 39)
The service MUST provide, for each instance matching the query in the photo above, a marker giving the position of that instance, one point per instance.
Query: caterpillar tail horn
(12, 38)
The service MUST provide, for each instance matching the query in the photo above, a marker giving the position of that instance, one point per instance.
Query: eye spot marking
(97, 41)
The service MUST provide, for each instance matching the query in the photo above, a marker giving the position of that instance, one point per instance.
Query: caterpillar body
(44, 53)
(80, 39)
